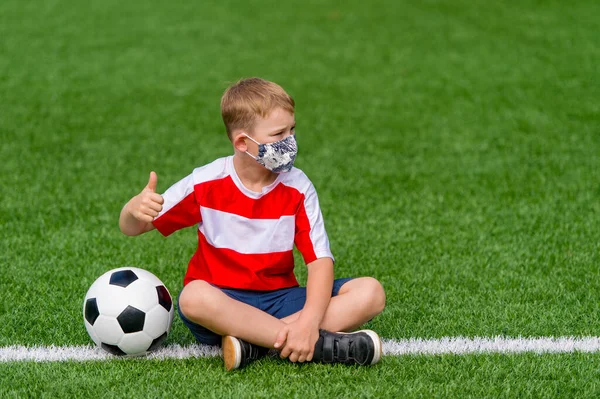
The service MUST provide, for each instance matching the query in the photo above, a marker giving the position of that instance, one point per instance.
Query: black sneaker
(237, 353)
(361, 347)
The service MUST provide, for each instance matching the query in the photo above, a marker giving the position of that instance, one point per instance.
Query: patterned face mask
(279, 156)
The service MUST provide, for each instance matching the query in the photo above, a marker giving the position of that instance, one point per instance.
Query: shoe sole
(376, 343)
(232, 352)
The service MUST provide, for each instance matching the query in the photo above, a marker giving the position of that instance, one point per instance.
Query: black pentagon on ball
(91, 310)
(164, 298)
(113, 349)
(123, 278)
(157, 342)
(131, 320)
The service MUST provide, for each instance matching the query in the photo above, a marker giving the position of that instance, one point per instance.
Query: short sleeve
(180, 208)
(310, 235)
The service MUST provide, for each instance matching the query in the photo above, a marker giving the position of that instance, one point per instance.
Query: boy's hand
(299, 338)
(146, 205)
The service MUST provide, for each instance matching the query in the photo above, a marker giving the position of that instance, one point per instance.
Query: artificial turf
(454, 146)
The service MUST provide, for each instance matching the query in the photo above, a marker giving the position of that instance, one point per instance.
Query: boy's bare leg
(358, 301)
(208, 306)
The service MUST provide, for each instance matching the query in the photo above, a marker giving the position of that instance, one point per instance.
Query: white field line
(411, 346)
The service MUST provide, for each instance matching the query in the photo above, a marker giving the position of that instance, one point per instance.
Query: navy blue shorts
(278, 303)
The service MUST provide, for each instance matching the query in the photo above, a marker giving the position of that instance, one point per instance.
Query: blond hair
(247, 99)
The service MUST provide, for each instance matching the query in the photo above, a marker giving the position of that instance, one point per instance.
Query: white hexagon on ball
(128, 311)
(138, 342)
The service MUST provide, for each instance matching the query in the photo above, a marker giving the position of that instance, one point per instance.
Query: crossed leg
(358, 301)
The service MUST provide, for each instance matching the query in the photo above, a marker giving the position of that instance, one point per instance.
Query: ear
(239, 140)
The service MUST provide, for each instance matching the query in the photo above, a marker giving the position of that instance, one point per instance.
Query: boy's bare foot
(237, 353)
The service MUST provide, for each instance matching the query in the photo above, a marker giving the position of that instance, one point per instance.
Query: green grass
(454, 146)
(446, 376)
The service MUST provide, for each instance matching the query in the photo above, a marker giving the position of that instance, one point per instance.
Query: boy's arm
(137, 214)
(301, 336)
(318, 290)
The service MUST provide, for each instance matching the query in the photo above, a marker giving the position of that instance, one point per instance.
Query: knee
(194, 301)
(374, 295)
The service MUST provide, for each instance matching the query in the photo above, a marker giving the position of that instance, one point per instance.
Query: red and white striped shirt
(245, 238)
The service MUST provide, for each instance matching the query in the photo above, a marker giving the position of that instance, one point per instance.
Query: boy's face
(278, 125)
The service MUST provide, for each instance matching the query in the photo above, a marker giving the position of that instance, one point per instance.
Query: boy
(250, 209)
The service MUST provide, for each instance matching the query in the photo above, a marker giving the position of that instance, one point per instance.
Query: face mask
(279, 156)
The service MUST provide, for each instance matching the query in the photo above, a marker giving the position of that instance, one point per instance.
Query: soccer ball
(128, 311)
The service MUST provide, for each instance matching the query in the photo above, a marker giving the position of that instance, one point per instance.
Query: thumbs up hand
(152, 182)
(147, 204)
